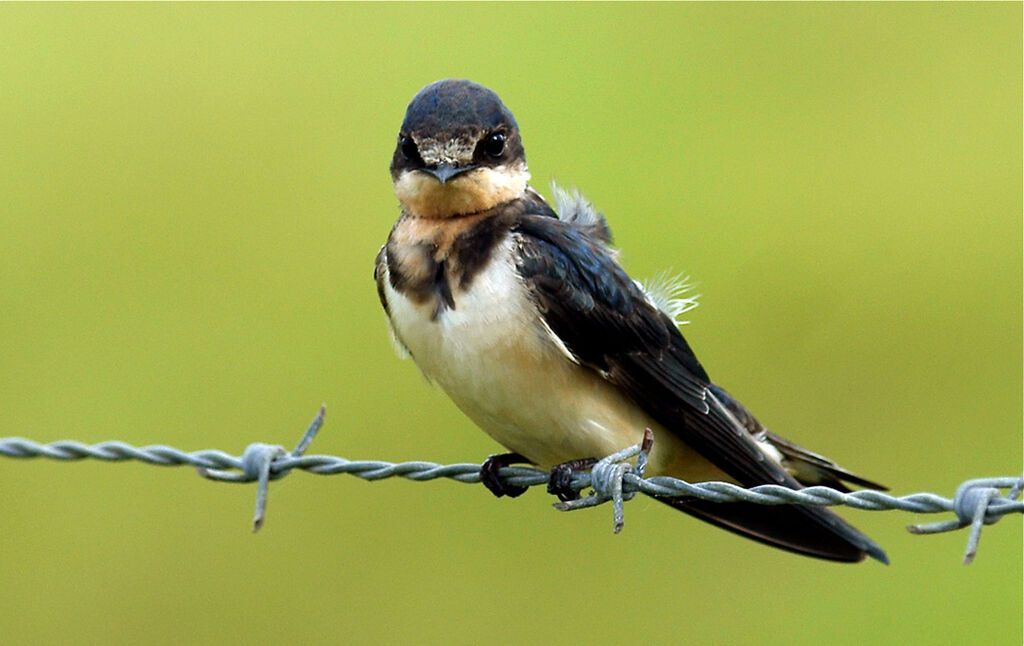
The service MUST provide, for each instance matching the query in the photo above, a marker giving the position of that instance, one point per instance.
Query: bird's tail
(811, 531)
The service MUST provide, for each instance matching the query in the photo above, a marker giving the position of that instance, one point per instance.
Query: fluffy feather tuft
(573, 207)
(671, 293)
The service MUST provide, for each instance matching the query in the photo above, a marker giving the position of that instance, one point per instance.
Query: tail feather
(811, 531)
(813, 469)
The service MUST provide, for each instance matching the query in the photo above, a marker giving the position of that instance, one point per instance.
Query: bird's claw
(493, 481)
(560, 483)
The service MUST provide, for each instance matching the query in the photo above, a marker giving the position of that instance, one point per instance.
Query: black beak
(445, 172)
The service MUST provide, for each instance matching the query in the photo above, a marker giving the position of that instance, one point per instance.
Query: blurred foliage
(192, 197)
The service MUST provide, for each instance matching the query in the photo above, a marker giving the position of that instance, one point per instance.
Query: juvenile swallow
(524, 317)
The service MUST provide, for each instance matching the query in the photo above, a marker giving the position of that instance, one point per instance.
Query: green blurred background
(192, 197)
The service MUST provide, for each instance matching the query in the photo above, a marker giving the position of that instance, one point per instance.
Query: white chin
(478, 190)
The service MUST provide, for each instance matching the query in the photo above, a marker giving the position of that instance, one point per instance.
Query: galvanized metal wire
(614, 479)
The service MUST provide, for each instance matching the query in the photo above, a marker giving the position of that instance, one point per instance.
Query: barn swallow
(525, 318)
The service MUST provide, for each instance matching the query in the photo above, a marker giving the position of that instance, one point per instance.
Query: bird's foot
(561, 478)
(490, 478)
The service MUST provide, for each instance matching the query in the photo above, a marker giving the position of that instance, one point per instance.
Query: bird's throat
(481, 189)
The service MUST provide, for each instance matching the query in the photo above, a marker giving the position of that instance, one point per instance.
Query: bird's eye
(493, 144)
(408, 146)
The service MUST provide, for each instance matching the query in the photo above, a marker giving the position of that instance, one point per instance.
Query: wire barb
(615, 479)
(977, 503)
(257, 462)
(607, 478)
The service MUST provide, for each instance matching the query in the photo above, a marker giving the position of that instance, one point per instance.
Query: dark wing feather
(808, 467)
(812, 468)
(607, 323)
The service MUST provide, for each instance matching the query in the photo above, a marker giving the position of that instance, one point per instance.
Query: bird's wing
(604, 319)
(606, 323)
(380, 275)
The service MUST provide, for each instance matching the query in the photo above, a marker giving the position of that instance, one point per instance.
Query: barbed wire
(613, 479)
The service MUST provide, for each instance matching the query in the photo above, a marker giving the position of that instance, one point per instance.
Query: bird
(522, 314)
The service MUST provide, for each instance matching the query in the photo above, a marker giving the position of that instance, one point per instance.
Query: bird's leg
(490, 478)
(561, 478)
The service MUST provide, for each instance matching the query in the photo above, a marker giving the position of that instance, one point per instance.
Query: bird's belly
(493, 356)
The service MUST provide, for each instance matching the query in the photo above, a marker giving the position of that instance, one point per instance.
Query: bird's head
(458, 152)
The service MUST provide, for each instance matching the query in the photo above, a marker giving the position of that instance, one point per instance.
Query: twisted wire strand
(614, 479)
